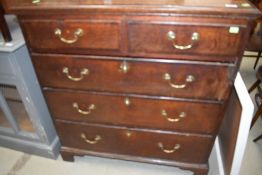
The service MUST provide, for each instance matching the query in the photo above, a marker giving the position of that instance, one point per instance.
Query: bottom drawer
(136, 142)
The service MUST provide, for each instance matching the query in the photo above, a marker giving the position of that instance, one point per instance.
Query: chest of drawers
(143, 80)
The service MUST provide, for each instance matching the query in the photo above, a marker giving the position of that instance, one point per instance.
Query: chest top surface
(145, 6)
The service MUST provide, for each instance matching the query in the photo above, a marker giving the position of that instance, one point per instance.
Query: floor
(18, 163)
(252, 163)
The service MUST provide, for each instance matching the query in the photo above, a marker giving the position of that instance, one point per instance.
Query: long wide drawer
(190, 117)
(151, 144)
(180, 79)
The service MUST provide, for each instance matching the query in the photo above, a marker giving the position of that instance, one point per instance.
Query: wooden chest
(136, 80)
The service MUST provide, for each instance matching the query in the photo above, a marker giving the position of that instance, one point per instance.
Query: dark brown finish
(258, 97)
(156, 41)
(106, 38)
(198, 169)
(138, 143)
(256, 85)
(135, 33)
(229, 129)
(203, 7)
(142, 78)
(113, 30)
(255, 45)
(200, 172)
(256, 116)
(67, 156)
(258, 81)
(3, 26)
(99, 35)
(142, 112)
(258, 138)
(255, 42)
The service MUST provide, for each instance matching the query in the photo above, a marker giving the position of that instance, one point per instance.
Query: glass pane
(17, 108)
(3, 121)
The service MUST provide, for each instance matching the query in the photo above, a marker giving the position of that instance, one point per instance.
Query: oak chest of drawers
(142, 80)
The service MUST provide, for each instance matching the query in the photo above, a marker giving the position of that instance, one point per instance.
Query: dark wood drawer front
(73, 36)
(169, 40)
(163, 79)
(135, 112)
(182, 148)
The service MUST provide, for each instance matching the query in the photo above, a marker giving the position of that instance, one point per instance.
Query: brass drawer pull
(169, 151)
(83, 72)
(36, 1)
(189, 79)
(124, 67)
(172, 36)
(90, 109)
(77, 34)
(93, 141)
(177, 119)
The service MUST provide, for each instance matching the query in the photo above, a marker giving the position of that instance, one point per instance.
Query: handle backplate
(76, 35)
(172, 36)
(174, 119)
(91, 141)
(189, 79)
(90, 109)
(83, 73)
(169, 151)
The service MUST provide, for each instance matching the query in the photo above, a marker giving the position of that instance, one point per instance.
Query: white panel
(215, 160)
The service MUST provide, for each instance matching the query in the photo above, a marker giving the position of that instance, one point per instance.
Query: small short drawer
(151, 144)
(179, 79)
(162, 39)
(134, 112)
(73, 36)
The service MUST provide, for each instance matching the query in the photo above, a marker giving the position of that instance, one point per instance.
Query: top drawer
(160, 38)
(94, 36)
(166, 37)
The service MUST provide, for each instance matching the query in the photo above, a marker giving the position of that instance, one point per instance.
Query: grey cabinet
(25, 123)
